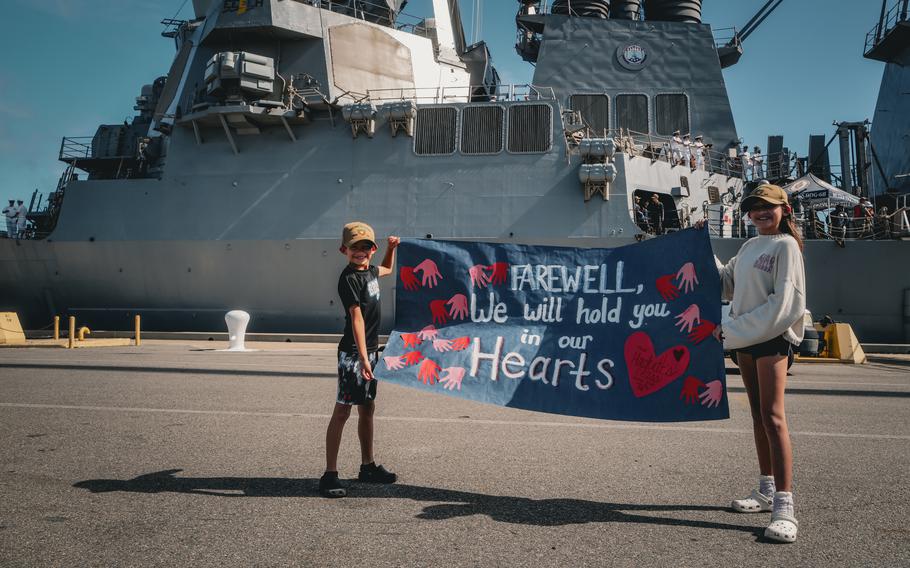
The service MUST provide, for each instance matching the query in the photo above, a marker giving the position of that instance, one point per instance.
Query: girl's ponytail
(787, 225)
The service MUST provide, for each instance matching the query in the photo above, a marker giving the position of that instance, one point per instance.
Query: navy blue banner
(621, 334)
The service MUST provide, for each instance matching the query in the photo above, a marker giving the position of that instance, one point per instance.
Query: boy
(358, 352)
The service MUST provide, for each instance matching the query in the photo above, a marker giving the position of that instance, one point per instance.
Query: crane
(730, 53)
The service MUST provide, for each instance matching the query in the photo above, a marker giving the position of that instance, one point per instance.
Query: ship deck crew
(766, 284)
(687, 151)
(757, 162)
(21, 219)
(656, 215)
(745, 162)
(699, 147)
(676, 148)
(9, 213)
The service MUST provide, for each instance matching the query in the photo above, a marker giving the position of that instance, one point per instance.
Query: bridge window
(595, 111)
(632, 113)
(671, 112)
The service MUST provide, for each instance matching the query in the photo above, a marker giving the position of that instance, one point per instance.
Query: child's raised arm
(388, 261)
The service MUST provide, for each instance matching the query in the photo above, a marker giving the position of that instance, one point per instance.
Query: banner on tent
(621, 333)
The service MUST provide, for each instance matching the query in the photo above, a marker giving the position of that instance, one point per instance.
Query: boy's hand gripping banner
(622, 334)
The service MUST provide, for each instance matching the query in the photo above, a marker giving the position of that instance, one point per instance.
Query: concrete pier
(175, 454)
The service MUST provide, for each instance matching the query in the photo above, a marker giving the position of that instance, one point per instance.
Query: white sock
(783, 503)
(766, 485)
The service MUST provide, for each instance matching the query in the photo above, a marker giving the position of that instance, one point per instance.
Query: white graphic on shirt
(373, 288)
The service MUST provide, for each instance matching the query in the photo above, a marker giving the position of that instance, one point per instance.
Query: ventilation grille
(632, 113)
(671, 112)
(481, 130)
(595, 110)
(530, 128)
(436, 128)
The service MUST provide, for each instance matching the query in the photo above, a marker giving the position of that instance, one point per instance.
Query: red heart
(648, 372)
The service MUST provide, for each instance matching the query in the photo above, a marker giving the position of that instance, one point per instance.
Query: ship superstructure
(281, 120)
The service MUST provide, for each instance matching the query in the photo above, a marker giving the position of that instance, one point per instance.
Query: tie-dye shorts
(352, 388)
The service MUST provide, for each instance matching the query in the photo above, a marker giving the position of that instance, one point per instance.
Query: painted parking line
(472, 421)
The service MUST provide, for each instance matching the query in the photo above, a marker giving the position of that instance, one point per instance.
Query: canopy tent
(814, 190)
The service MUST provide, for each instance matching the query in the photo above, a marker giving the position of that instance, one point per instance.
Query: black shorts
(352, 388)
(776, 346)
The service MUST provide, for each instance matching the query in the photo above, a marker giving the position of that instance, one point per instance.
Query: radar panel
(436, 129)
(482, 129)
(530, 128)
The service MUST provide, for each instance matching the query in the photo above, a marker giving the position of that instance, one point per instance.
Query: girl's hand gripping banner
(621, 334)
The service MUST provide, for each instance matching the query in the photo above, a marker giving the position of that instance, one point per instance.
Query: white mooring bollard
(237, 321)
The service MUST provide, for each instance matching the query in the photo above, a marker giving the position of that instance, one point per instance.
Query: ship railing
(819, 224)
(465, 93)
(889, 20)
(402, 21)
(75, 148)
(725, 36)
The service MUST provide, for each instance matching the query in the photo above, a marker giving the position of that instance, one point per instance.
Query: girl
(766, 283)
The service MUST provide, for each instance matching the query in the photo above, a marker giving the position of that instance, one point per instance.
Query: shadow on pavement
(447, 503)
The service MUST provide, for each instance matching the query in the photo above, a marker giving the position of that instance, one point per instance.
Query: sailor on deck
(757, 161)
(676, 147)
(21, 218)
(687, 151)
(699, 147)
(10, 212)
(745, 160)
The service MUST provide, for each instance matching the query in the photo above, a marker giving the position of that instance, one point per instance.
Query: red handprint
(702, 331)
(460, 343)
(479, 278)
(438, 309)
(410, 339)
(459, 306)
(408, 280)
(689, 394)
(431, 274)
(667, 288)
(429, 372)
(412, 357)
(500, 272)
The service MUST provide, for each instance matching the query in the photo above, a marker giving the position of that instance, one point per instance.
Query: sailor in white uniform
(745, 160)
(676, 147)
(21, 217)
(757, 161)
(699, 152)
(9, 213)
(687, 151)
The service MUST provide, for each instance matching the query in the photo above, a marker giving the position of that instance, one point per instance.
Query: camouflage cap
(356, 232)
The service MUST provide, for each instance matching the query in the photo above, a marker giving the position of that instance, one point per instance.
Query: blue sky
(70, 65)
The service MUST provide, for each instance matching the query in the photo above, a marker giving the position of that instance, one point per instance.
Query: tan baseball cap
(767, 192)
(356, 232)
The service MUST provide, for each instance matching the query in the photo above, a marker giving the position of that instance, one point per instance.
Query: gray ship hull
(289, 286)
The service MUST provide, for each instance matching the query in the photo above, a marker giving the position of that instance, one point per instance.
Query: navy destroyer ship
(281, 120)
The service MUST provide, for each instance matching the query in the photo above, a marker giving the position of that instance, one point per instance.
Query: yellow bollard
(138, 338)
(56, 328)
(83, 331)
(72, 334)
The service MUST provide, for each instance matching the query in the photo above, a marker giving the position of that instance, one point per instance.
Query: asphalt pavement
(175, 454)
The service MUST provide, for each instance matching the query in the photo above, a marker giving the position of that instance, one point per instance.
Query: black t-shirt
(360, 288)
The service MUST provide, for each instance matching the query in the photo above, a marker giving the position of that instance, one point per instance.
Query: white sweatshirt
(769, 298)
